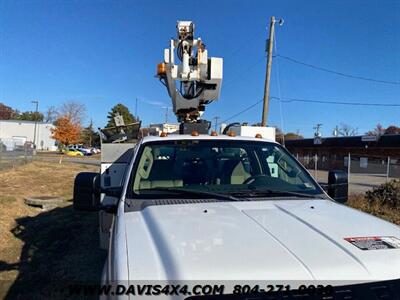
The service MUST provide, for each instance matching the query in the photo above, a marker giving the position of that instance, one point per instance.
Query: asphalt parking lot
(358, 183)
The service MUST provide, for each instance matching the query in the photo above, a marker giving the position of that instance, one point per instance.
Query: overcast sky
(105, 52)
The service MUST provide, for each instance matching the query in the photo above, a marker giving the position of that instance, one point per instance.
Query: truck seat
(233, 172)
(161, 175)
(148, 184)
(239, 174)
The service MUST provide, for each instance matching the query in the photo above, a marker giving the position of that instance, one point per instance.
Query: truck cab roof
(171, 137)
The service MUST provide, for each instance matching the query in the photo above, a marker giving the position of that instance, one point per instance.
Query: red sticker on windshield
(374, 242)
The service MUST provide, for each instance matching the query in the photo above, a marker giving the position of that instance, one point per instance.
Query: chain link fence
(14, 154)
(364, 172)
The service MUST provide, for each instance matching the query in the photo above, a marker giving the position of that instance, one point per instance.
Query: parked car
(95, 150)
(85, 151)
(73, 152)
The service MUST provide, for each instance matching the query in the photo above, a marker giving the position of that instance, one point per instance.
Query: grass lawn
(42, 247)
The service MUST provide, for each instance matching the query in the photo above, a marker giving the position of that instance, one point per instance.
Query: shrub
(387, 194)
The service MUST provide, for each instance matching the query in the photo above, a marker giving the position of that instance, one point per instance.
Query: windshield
(225, 167)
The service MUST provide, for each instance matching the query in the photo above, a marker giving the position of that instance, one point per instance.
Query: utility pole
(317, 134)
(216, 122)
(268, 72)
(336, 131)
(317, 130)
(34, 132)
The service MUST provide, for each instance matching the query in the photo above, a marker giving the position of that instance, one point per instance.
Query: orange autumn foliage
(66, 132)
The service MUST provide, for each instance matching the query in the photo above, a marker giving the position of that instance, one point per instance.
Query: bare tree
(347, 130)
(279, 135)
(75, 111)
(51, 114)
(377, 131)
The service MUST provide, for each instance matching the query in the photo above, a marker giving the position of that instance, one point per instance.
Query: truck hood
(257, 240)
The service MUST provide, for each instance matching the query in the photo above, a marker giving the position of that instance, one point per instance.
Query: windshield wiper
(196, 192)
(269, 192)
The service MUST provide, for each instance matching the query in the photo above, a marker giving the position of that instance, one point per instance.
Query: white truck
(223, 209)
(201, 215)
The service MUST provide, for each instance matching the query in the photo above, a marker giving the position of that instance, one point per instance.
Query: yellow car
(73, 152)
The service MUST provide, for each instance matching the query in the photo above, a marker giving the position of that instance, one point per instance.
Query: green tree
(89, 136)
(123, 111)
(280, 136)
(30, 116)
(293, 136)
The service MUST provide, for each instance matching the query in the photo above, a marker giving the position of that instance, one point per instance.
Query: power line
(242, 111)
(249, 42)
(242, 73)
(244, 45)
(288, 100)
(336, 72)
(239, 75)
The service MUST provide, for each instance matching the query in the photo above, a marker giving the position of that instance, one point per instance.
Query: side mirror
(338, 186)
(87, 191)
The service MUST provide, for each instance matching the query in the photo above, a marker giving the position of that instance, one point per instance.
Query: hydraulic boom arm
(195, 80)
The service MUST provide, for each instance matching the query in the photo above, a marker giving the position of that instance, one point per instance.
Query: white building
(16, 132)
(156, 129)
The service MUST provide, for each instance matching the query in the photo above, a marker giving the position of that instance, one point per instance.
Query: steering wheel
(254, 178)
